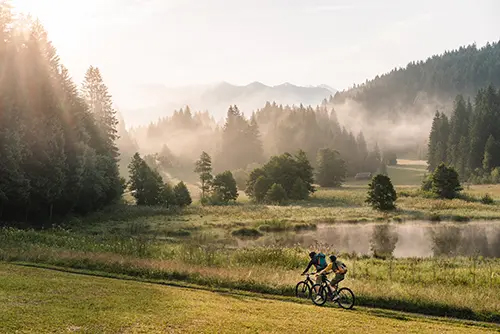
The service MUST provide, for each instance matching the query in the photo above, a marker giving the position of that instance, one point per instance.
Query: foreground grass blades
(34, 300)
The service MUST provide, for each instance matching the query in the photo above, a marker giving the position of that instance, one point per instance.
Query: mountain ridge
(152, 101)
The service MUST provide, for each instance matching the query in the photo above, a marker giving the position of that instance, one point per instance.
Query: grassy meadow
(207, 246)
(30, 297)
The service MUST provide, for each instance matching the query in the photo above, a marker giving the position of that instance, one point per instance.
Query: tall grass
(463, 287)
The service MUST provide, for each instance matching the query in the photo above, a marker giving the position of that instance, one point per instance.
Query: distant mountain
(146, 103)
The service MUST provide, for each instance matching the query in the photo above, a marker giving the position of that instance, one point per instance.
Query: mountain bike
(303, 288)
(320, 293)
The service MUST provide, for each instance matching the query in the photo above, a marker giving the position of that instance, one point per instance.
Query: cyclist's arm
(308, 266)
(328, 268)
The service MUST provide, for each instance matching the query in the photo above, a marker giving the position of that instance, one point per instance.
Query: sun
(62, 19)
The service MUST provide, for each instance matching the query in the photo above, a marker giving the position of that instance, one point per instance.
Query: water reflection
(416, 239)
(383, 241)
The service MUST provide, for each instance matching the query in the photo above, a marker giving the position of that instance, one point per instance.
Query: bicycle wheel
(346, 298)
(302, 290)
(318, 294)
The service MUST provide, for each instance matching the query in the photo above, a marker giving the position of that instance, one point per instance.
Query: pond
(411, 239)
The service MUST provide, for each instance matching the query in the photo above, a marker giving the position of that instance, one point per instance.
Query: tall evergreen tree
(100, 104)
(331, 169)
(204, 169)
(491, 154)
(48, 139)
(459, 128)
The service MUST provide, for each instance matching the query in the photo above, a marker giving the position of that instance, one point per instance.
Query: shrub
(304, 227)
(246, 233)
(381, 193)
(445, 182)
(274, 226)
(434, 217)
(276, 194)
(486, 199)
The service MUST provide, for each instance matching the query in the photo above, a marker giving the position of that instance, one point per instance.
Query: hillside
(434, 81)
(39, 301)
(150, 102)
(396, 108)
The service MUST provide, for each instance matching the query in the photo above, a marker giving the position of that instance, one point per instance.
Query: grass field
(465, 288)
(35, 300)
(197, 245)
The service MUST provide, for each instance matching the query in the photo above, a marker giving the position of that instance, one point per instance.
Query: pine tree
(331, 169)
(49, 141)
(240, 144)
(204, 169)
(99, 101)
(459, 128)
(182, 196)
(480, 130)
(432, 159)
(224, 187)
(381, 193)
(445, 182)
(146, 184)
(438, 141)
(491, 154)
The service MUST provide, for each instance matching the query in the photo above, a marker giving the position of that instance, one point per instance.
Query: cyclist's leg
(319, 280)
(338, 278)
(330, 288)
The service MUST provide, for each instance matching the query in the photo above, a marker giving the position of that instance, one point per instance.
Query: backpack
(320, 261)
(342, 268)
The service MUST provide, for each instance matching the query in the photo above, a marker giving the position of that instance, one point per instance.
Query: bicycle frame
(308, 280)
(328, 284)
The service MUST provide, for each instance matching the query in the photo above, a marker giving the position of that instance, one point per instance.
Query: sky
(304, 42)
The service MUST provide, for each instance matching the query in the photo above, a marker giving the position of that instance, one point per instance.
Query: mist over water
(415, 239)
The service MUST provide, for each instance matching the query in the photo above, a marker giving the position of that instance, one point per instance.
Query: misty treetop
(240, 143)
(469, 140)
(292, 128)
(57, 145)
(243, 142)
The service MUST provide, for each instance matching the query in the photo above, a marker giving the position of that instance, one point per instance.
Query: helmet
(311, 255)
(333, 258)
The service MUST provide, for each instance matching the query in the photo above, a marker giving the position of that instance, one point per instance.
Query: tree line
(469, 140)
(57, 143)
(242, 143)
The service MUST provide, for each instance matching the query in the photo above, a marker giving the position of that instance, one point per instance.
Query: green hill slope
(36, 300)
(440, 77)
